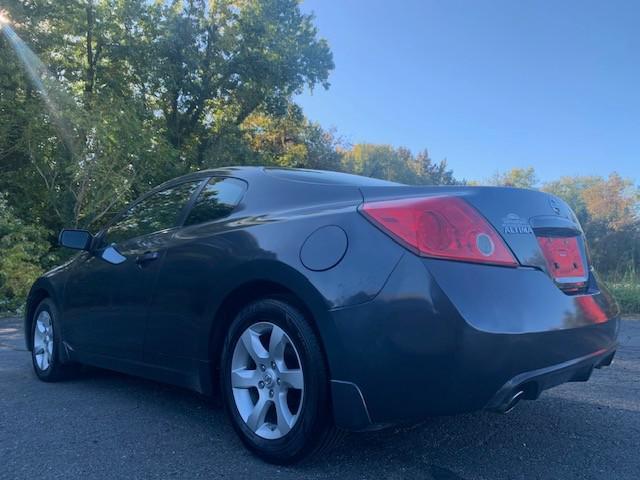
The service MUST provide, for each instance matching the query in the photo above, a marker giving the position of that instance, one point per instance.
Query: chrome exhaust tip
(512, 402)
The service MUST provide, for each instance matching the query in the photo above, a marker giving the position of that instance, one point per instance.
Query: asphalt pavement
(105, 425)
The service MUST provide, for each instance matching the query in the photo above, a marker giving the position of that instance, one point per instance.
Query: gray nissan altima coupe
(314, 302)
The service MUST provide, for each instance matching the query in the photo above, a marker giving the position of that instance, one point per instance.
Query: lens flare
(4, 18)
(58, 102)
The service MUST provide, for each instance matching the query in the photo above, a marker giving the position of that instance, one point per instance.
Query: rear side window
(217, 200)
(156, 212)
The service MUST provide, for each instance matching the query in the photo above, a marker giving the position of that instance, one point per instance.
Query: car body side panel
(206, 263)
(106, 305)
(261, 241)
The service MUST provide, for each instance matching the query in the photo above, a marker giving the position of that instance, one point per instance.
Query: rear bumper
(533, 383)
(442, 339)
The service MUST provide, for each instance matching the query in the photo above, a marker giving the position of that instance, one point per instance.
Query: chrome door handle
(147, 257)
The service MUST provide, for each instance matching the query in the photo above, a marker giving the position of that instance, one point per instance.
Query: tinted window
(217, 200)
(154, 213)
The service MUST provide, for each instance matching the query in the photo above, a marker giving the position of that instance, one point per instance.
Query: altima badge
(512, 223)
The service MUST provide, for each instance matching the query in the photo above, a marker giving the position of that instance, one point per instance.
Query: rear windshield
(326, 177)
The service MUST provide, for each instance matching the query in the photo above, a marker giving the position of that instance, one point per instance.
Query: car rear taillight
(565, 261)
(440, 227)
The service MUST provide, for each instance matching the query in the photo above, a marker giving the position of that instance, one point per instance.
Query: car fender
(255, 272)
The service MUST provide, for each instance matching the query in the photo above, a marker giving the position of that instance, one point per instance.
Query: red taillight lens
(441, 227)
(564, 261)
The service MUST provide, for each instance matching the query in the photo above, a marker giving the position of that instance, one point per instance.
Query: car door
(194, 264)
(106, 298)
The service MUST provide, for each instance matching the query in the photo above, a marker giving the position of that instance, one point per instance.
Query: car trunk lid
(539, 229)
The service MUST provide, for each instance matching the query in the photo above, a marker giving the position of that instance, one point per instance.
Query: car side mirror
(76, 239)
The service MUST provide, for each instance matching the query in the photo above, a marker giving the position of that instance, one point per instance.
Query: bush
(625, 287)
(24, 250)
(628, 296)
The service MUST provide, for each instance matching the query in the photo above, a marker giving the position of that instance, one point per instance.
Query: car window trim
(184, 214)
(193, 202)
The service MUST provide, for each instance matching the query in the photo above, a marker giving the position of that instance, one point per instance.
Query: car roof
(326, 177)
(238, 172)
(248, 173)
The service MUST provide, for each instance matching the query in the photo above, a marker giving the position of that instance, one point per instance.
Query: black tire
(56, 369)
(314, 429)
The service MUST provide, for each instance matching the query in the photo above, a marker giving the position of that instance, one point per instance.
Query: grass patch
(626, 290)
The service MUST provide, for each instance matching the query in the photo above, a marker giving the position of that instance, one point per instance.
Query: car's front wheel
(47, 343)
(275, 383)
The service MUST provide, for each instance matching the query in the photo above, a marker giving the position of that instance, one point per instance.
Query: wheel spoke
(284, 417)
(277, 342)
(292, 378)
(258, 414)
(251, 342)
(243, 378)
(39, 350)
(40, 361)
(41, 326)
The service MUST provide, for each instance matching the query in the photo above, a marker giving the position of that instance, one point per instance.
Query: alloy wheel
(267, 380)
(43, 340)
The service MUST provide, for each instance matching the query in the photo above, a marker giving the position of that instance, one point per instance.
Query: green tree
(216, 63)
(24, 249)
(291, 140)
(378, 161)
(428, 172)
(396, 164)
(136, 92)
(612, 202)
(571, 189)
(516, 177)
(607, 209)
(79, 139)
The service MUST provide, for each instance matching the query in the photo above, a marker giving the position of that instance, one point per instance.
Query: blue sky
(488, 85)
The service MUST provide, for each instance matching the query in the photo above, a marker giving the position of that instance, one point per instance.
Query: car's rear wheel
(47, 343)
(275, 383)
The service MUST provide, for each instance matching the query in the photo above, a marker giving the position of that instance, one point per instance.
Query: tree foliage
(23, 250)
(608, 211)
(516, 177)
(290, 140)
(396, 164)
(136, 92)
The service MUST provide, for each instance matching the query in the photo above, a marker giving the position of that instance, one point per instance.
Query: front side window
(156, 212)
(217, 200)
